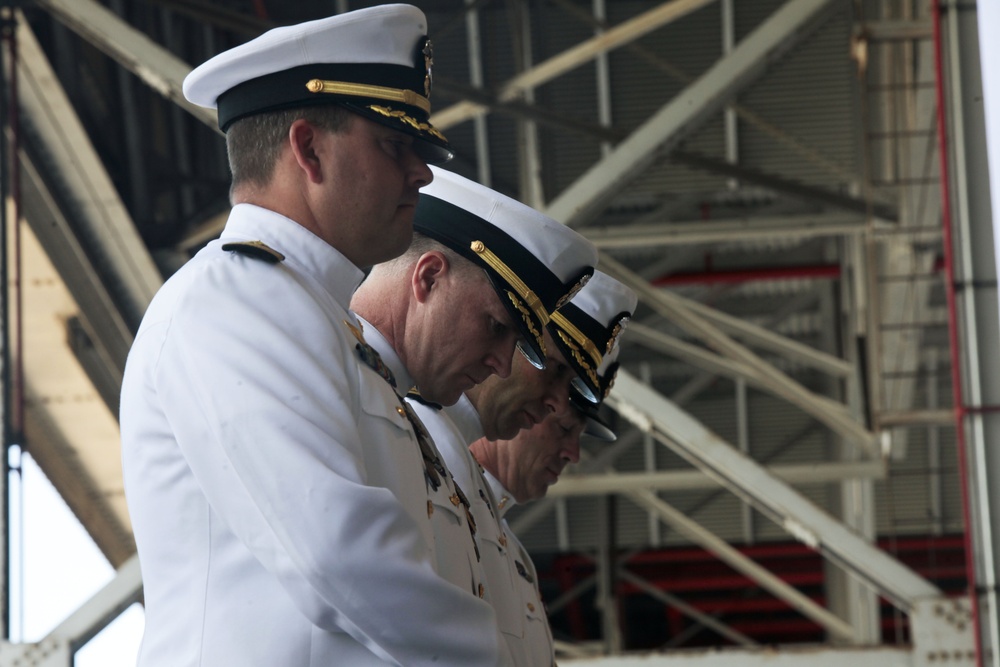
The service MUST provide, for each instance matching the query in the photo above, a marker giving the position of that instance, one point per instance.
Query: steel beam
(688, 527)
(689, 480)
(72, 164)
(726, 231)
(57, 648)
(671, 306)
(768, 42)
(655, 414)
(156, 66)
(570, 59)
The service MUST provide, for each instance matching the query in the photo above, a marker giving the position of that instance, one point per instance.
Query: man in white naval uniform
(275, 482)
(450, 311)
(583, 333)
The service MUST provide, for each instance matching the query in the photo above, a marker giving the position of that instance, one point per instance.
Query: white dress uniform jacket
(449, 511)
(537, 647)
(518, 605)
(275, 485)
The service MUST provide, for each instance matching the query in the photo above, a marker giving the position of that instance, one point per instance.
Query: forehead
(570, 419)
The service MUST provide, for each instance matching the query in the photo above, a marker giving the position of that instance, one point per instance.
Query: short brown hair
(254, 143)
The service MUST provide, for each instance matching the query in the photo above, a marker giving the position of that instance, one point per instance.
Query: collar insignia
(434, 470)
(369, 355)
(523, 571)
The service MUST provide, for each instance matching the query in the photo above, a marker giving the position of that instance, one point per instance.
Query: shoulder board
(414, 395)
(255, 249)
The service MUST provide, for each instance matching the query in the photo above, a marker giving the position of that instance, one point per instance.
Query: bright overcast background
(62, 568)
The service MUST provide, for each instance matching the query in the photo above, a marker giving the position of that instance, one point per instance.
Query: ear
(304, 138)
(428, 272)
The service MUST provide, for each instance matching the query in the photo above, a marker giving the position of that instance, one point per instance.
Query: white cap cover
(587, 329)
(534, 262)
(375, 61)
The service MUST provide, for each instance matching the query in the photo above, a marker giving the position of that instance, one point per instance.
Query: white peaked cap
(534, 262)
(376, 62)
(587, 328)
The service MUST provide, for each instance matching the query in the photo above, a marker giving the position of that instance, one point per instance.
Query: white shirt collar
(463, 414)
(302, 248)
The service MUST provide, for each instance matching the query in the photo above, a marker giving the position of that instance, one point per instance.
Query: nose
(420, 173)
(501, 359)
(556, 398)
(571, 449)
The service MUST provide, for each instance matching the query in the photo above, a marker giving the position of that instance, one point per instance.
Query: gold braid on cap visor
(527, 297)
(366, 90)
(575, 340)
(403, 95)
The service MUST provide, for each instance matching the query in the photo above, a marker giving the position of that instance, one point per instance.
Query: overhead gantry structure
(79, 231)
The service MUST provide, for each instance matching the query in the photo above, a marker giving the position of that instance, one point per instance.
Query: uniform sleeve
(259, 385)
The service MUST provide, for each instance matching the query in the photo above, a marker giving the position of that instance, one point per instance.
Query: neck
(484, 452)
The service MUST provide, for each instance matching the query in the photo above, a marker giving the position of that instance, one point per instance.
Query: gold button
(482, 590)
(401, 412)
(455, 500)
(430, 509)
(503, 540)
(531, 607)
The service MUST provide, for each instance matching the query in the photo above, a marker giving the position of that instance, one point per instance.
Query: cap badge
(618, 328)
(573, 291)
(428, 52)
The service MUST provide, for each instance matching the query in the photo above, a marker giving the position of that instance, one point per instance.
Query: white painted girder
(726, 231)
(570, 59)
(811, 525)
(688, 480)
(679, 312)
(56, 649)
(701, 536)
(684, 113)
(93, 195)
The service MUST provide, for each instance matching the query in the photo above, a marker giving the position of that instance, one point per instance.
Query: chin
(446, 399)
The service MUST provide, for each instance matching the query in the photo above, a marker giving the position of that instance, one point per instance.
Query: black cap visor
(595, 425)
(390, 95)
(431, 145)
(532, 344)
